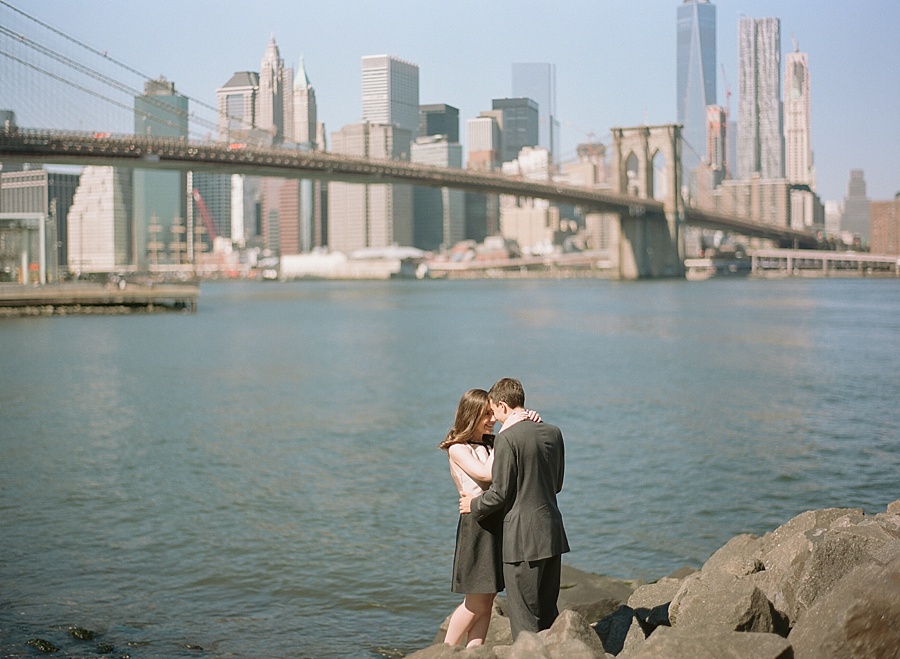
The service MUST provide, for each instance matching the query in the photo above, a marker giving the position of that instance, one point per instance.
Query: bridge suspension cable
(80, 76)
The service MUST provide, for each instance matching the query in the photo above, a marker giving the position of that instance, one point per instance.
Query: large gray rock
(592, 595)
(805, 564)
(673, 643)
(858, 618)
(652, 595)
(797, 526)
(572, 630)
(721, 600)
(739, 556)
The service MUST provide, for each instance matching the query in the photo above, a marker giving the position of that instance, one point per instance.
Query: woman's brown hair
(473, 405)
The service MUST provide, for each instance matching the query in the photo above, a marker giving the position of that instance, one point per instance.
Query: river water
(261, 478)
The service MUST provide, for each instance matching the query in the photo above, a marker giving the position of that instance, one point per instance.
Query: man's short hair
(509, 391)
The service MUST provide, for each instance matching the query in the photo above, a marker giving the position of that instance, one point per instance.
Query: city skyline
(626, 76)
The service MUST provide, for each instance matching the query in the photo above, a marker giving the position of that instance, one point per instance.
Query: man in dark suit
(529, 461)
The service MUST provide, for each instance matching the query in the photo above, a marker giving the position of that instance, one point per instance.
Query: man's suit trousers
(532, 589)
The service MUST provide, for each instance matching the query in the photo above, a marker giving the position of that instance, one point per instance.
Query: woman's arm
(469, 463)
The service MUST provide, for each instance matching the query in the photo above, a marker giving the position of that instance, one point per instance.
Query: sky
(615, 59)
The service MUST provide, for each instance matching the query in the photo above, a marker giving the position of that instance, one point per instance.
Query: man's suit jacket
(529, 461)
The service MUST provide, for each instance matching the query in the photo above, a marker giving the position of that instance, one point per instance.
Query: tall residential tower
(798, 146)
(760, 148)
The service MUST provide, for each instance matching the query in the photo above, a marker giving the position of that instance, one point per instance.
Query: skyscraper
(483, 142)
(695, 79)
(537, 81)
(390, 92)
(798, 146)
(236, 102)
(238, 106)
(760, 124)
(438, 213)
(518, 125)
(99, 236)
(856, 218)
(160, 197)
(275, 114)
(439, 119)
(380, 215)
(304, 109)
(370, 215)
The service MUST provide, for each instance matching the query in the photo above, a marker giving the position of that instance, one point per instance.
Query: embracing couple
(510, 531)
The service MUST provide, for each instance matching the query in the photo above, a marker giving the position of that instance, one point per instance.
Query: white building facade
(99, 222)
(390, 92)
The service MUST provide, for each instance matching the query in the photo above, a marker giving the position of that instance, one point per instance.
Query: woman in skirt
(477, 564)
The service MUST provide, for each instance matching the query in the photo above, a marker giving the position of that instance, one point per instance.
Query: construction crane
(204, 213)
(591, 135)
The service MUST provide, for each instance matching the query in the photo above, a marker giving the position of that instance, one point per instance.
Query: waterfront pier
(85, 297)
(815, 263)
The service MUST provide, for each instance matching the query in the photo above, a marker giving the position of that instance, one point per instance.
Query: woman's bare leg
(459, 624)
(470, 620)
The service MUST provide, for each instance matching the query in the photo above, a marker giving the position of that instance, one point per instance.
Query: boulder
(571, 630)
(805, 557)
(827, 580)
(591, 595)
(613, 629)
(857, 619)
(719, 599)
(652, 595)
(739, 556)
(693, 643)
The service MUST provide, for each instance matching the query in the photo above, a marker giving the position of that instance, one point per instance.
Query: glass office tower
(696, 79)
(518, 125)
(537, 81)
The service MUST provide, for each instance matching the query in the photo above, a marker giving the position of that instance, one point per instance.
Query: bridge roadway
(105, 149)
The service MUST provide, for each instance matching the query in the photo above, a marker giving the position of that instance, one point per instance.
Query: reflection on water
(262, 477)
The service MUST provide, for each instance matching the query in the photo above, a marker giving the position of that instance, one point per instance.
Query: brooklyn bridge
(649, 200)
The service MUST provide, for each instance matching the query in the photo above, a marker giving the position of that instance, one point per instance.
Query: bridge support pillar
(647, 249)
(647, 164)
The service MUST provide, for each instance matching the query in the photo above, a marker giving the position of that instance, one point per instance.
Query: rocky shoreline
(824, 584)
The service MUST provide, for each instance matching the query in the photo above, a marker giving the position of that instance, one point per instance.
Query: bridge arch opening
(659, 172)
(632, 173)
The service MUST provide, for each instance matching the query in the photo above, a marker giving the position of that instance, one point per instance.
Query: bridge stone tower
(647, 163)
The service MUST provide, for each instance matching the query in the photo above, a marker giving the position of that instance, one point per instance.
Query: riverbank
(824, 584)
